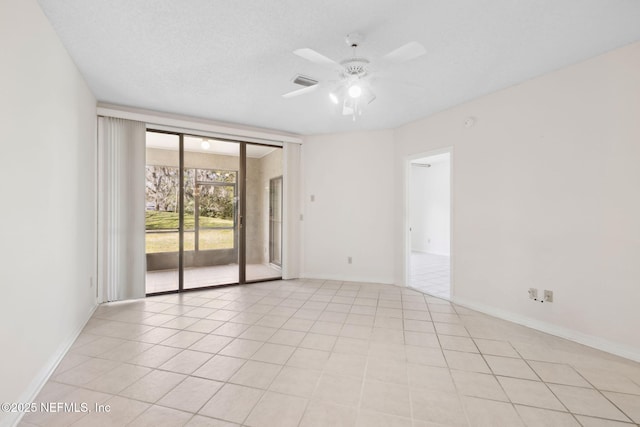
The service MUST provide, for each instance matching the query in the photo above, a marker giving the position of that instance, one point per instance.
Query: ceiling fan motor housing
(354, 67)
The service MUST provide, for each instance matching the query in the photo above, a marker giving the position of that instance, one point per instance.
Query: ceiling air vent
(304, 81)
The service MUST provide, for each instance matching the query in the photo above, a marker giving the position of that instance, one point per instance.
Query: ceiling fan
(352, 91)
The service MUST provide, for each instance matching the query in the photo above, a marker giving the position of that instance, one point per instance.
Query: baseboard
(421, 251)
(549, 328)
(430, 252)
(30, 394)
(439, 253)
(342, 278)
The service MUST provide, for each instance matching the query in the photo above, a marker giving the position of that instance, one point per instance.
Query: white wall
(546, 195)
(351, 177)
(430, 215)
(47, 182)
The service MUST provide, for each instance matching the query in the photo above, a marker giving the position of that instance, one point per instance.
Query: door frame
(241, 189)
(406, 250)
(271, 181)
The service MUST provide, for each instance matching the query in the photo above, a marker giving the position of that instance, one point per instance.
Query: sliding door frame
(181, 217)
(241, 185)
(242, 180)
(243, 245)
(280, 183)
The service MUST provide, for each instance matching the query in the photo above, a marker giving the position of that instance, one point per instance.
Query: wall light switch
(548, 296)
(313, 198)
(533, 293)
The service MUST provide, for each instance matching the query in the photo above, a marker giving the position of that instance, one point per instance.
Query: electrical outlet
(349, 260)
(533, 294)
(548, 296)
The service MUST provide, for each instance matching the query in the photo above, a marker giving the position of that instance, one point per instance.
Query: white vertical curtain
(121, 221)
(291, 212)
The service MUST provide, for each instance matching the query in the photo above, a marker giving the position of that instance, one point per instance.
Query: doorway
(206, 210)
(429, 246)
(275, 221)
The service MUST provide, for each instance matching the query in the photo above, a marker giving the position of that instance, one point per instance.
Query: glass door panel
(198, 233)
(275, 221)
(211, 210)
(162, 206)
(216, 216)
(263, 164)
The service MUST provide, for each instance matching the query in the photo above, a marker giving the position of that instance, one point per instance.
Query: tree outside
(215, 208)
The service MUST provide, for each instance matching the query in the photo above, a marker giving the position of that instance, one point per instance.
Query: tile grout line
(545, 384)
(602, 394)
(317, 293)
(446, 361)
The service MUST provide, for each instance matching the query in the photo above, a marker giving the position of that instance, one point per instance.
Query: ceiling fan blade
(298, 92)
(406, 52)
(313, 56)
(389, 80)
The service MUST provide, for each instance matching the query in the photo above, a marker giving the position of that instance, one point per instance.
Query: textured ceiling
(230, 60)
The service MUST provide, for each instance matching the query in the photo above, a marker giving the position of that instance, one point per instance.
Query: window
(210, 209)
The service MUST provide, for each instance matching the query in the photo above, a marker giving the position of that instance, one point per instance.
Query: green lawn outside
(157, 220)
(168, 241)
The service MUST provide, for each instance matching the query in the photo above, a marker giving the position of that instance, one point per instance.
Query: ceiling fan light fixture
(355, 91)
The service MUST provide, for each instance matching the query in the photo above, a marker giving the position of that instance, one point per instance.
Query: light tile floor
(431, 274)
(322, 353)
(198, 277)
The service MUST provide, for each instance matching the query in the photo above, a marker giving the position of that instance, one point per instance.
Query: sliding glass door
(162, 212)
(263, 164)
(215, 229)
(211, 212)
